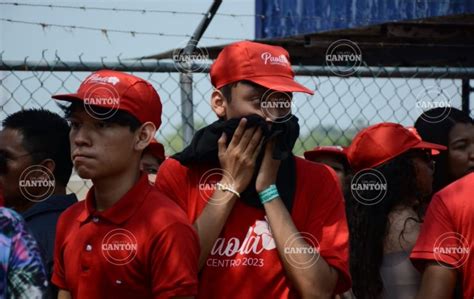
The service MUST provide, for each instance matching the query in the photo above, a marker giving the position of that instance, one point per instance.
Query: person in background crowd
(22, 274)
(249, 197)
(333, 156)
(152, 158)
(454, 129)
(444, 250)
(34, 144)
(385, 225)
(127, 239)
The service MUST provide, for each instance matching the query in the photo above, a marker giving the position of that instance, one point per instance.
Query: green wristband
(268, 194)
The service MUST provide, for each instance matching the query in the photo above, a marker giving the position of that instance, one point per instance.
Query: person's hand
(238, 159)
(267, 175)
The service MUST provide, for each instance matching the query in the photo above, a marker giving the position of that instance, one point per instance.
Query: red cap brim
(435, 148)
(280, 83)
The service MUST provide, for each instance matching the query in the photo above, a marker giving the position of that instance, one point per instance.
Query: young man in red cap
(127, 239)
(266, 229)
(444, 249)
(334, 156)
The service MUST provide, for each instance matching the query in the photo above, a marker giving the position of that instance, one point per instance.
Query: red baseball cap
(335, 150)
(265, 65)
(382, 142)
(156, 149)
(118, 91)
(415, 132)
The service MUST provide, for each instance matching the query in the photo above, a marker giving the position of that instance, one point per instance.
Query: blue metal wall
(284, 18)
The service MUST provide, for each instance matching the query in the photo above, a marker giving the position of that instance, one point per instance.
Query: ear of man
(219, 103)
(144, 135)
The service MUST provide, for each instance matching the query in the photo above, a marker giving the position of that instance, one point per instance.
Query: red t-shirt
(244, 262)
(447, 234)
(141, 247)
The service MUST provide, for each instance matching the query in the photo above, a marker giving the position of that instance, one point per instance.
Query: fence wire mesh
(340, 107)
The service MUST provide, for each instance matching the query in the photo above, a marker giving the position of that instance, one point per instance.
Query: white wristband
(228, 189)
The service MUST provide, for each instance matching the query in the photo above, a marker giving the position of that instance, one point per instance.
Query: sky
(21, 40)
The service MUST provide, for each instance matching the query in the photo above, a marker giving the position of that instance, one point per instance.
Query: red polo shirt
(244, 261)
(141, 247)
(447, 234)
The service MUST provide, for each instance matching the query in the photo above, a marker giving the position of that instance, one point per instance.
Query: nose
(80, 137)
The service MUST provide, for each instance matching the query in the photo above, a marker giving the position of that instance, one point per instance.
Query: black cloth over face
(204, 149)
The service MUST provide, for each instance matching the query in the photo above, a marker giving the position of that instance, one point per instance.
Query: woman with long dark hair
(454, 129)
(393, 176)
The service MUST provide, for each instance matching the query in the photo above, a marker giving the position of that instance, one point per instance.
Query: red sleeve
(174, 260)
(329, 224)
(171, 180)
(437, 228)
(58, 267)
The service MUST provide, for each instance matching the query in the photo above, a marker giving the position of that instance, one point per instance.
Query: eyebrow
(256, 92)
(460, 139)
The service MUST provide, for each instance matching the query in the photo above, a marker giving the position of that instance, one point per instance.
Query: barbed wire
(105, 31)
(161, 11)
(136, 10)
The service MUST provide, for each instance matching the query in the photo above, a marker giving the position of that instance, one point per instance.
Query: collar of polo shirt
(121, 210)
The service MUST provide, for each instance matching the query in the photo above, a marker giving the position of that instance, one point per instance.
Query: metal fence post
(187, 119)
(186, 78)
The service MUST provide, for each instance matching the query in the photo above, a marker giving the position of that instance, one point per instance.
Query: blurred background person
(456, 132)
(335, 157)
(152, 158)
(22, 273)
(443, 252)
(454, 129)
(34, 145)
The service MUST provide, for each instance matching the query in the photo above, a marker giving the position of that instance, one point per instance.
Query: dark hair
(45, 136)
(368, 224)
(438, 132)
(120, 117)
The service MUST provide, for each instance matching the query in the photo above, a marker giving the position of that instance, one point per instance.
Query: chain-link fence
(339, 108)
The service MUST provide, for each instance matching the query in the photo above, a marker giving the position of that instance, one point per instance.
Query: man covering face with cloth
(266, 229)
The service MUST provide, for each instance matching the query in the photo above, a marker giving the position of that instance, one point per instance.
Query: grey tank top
(400, 278)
